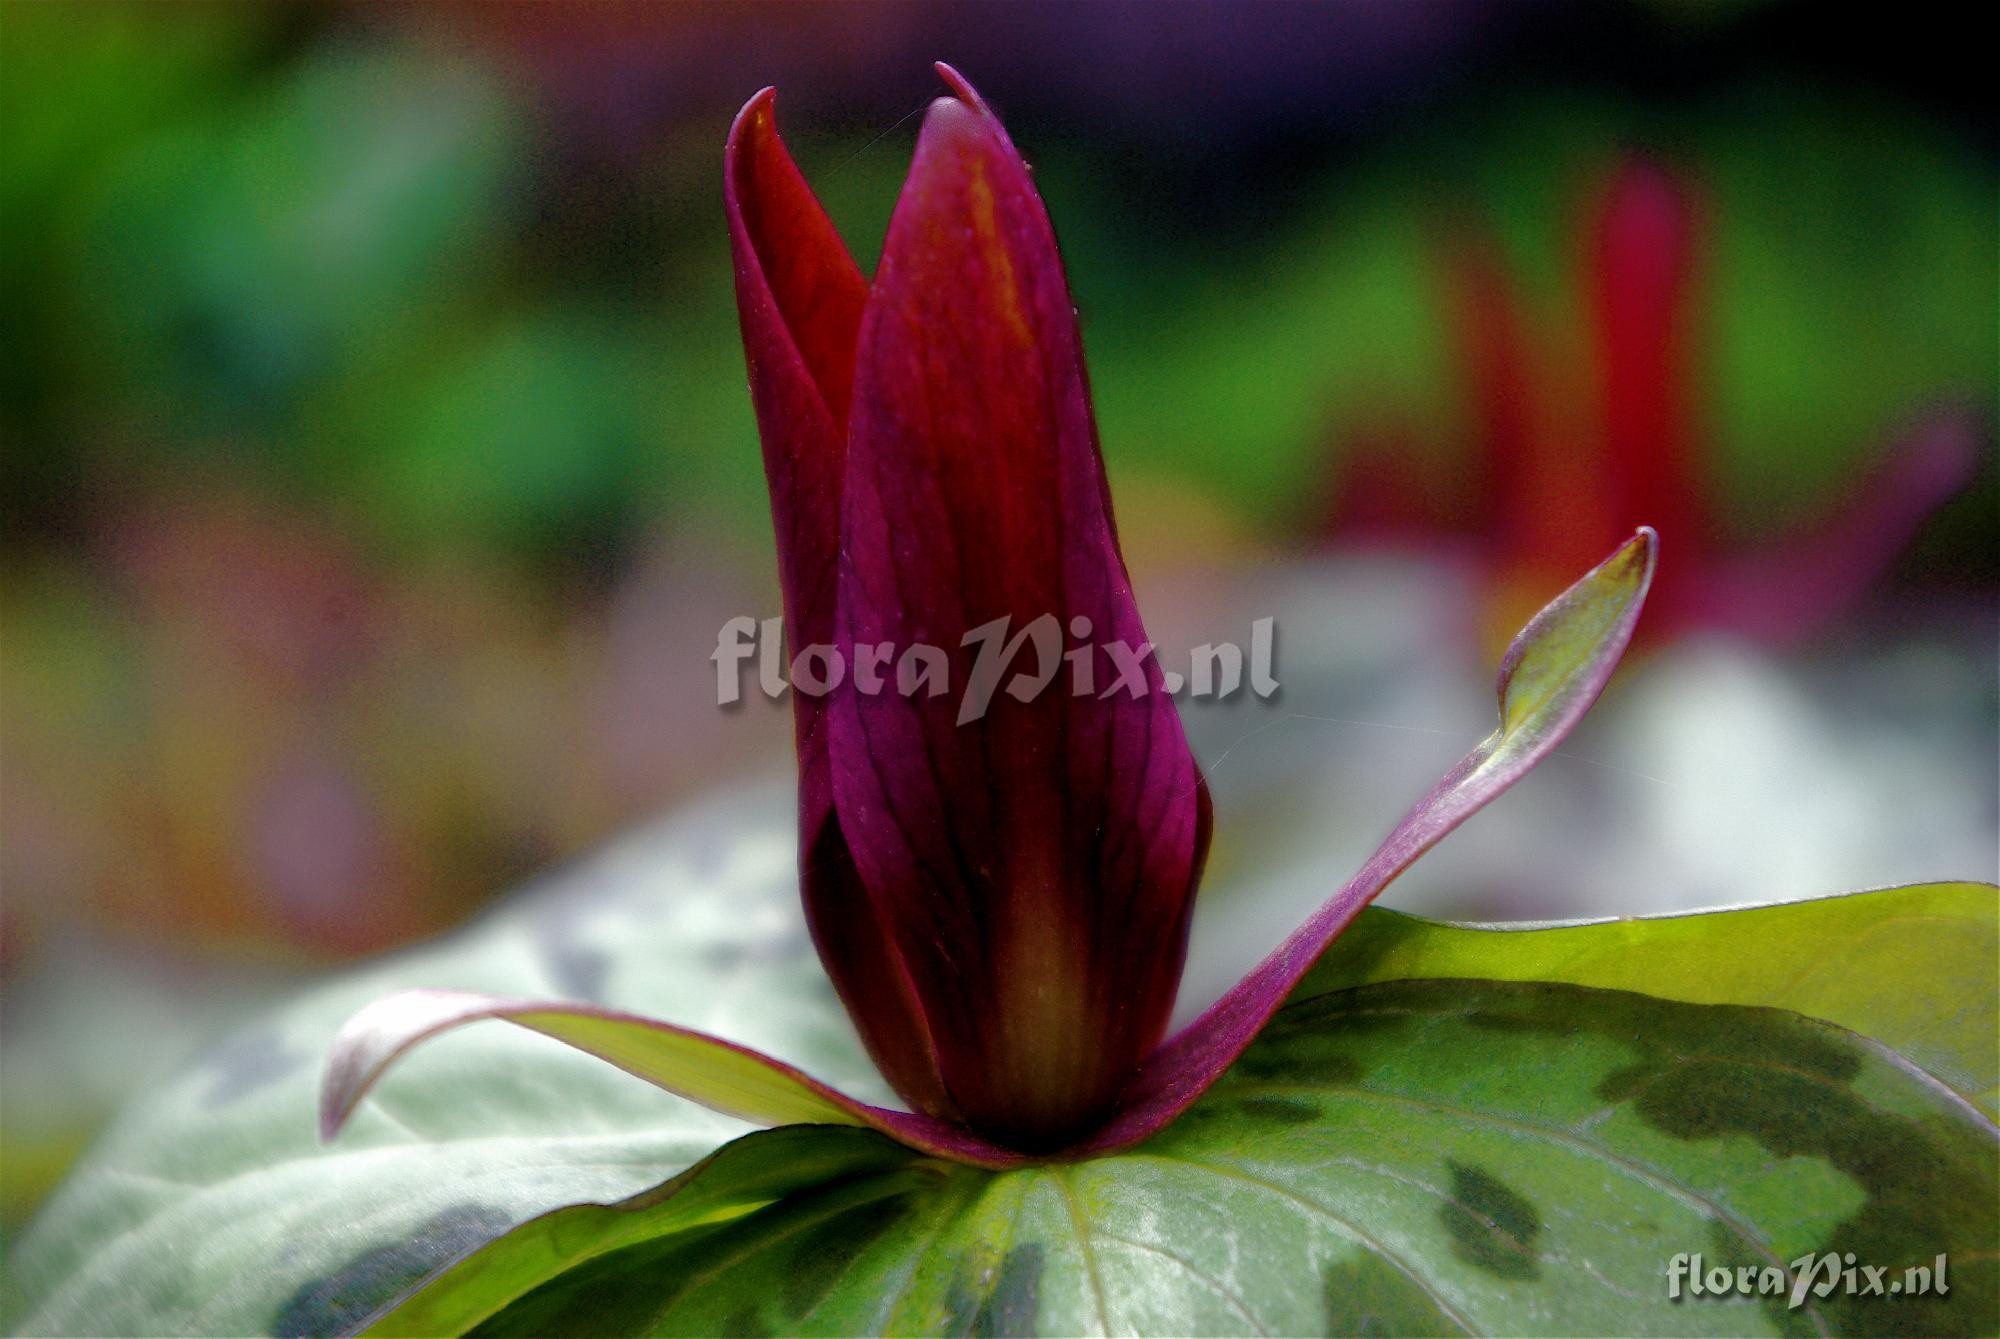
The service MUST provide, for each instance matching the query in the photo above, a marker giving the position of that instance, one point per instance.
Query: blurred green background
(377, 459)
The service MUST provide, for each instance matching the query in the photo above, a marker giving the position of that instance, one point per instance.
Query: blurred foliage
(1852, 269)
(377, 463)
(339, 331)
(363, 272)
(343, 323)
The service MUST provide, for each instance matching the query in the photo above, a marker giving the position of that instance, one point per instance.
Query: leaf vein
(1060, 1175)
(1353, 1231)
(1214, 1284)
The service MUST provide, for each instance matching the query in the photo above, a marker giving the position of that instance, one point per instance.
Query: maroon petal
(1567, 488)
(1386, 491)
(1539, 489)
(1548, 679)
(800, 297)
(718, 1074)
(1793, 588)
(1035, 864)
(861, 957)
(1550, 497)
(1642, 267)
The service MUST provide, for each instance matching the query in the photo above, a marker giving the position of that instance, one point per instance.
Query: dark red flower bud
(1000, 881)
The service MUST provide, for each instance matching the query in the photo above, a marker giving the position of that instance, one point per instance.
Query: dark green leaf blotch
(341, 1301)
(1492, 1225)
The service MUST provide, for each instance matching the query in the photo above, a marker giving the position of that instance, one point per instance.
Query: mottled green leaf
(1915, 968)
(1413, 1157)
(211, 1207)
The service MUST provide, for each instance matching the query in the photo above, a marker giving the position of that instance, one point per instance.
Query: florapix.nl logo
(989, 659)
(1688, 1275)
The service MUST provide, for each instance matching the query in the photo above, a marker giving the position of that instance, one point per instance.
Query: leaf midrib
(1348, 1227)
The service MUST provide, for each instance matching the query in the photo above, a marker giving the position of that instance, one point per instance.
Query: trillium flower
(1567, 463)
(1001, 898)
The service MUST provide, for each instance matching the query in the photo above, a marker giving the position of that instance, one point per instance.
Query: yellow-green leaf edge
(1916, 967)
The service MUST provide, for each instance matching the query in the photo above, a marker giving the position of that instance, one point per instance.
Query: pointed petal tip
(1560, 661)
(761, 101)
(956, 124)
(1631, 565)
(950, 121)
(347, 1079)
(1645, 543)
(961, 87)
(1635, 562)
(756, 116)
